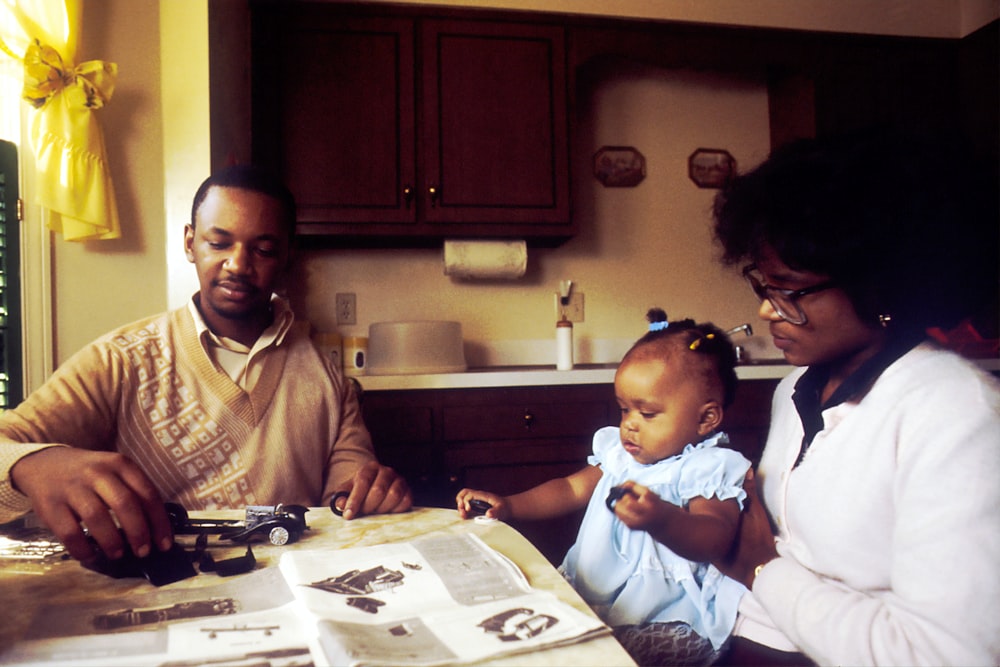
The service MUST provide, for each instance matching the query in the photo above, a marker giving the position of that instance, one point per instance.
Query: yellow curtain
(74, 181)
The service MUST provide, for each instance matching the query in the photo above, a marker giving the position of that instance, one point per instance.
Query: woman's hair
(906, 226)
(256, 179)
(710, 350)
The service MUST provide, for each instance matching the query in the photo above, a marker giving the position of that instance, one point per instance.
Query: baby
(663, 499)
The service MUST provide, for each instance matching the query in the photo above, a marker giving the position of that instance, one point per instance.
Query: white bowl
(413, 348)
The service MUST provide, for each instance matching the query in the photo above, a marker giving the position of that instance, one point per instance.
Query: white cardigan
(889, 530)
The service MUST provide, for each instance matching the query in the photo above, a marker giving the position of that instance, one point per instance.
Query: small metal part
(745, 328)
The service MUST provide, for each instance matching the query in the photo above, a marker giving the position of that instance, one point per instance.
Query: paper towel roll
(485, 260)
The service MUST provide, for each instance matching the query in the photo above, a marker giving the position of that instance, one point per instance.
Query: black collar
(809, 387)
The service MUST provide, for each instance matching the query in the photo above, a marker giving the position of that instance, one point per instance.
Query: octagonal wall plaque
(711, 167)
(619, 166)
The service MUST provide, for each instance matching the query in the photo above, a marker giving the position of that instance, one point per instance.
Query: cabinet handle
(433, 192)
(407, 195)
(529, 419)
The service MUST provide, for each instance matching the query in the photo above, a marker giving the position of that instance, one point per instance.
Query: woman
(872, 532)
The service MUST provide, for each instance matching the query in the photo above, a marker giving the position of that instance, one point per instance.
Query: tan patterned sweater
(149, 391)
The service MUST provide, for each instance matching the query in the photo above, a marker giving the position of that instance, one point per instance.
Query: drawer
(534, 452)
(516, 422)
(399, 425)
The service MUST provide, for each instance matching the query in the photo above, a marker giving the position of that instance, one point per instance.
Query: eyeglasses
(784, 301)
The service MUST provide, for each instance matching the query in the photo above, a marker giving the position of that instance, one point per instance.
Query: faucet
(745, 328)
(748, 330)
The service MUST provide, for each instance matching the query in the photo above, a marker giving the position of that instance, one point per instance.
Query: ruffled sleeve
(712, 471)
(605, 440)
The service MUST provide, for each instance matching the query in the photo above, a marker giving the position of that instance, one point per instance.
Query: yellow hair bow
(89, 84)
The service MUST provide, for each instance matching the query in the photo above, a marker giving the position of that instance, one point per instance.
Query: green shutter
(11, 382)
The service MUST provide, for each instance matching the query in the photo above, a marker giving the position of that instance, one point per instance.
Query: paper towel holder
(485, 259)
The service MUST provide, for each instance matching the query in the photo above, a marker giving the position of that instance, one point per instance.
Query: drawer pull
(529, 419)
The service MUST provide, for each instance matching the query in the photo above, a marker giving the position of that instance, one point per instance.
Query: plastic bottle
(564, 345)
(355, 355)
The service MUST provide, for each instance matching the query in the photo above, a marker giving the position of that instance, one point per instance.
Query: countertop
(529, 376)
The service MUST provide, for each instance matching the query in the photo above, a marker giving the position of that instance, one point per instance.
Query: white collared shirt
(238, 361)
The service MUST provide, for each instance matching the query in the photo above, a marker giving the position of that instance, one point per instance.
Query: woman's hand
(754, 544)
(500, 509)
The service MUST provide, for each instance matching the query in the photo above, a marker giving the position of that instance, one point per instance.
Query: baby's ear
(711, 417)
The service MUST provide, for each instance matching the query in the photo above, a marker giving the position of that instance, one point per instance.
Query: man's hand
(69, 486)
(375, 489)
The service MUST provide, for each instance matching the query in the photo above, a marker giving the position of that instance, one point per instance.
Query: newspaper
(440, 600)
(437, 601)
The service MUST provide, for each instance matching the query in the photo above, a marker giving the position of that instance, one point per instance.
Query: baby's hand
(471, 502)
(638, 507)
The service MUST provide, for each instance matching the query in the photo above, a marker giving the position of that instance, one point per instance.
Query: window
(10, 281)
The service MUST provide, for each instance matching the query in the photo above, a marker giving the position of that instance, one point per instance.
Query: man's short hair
(256, 179)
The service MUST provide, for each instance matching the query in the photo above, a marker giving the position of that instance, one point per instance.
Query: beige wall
(639, 247)
(102, 284)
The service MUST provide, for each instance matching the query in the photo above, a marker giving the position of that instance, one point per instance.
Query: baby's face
(661, 408)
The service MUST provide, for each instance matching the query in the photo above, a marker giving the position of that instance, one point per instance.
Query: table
(25, 588)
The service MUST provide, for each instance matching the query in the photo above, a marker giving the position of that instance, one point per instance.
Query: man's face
(239, 246)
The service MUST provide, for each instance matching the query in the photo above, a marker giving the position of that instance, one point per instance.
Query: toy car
(280, 524)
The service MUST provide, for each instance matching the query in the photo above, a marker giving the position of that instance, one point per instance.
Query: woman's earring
(884, 320)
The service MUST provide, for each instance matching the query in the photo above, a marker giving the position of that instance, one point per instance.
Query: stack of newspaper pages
(440, 600)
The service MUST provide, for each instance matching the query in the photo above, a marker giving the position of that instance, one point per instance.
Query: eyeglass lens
(783, 304)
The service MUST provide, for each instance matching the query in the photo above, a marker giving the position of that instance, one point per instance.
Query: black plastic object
(279, 524)
(159, 568)
(333, 502)
(229, 566)
(478, 507)
(614, 495)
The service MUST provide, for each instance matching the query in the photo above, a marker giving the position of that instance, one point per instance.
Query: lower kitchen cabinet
(508, 439)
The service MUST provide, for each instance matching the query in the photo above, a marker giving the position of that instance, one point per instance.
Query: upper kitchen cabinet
(411, 128)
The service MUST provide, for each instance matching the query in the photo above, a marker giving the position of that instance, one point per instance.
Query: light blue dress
(630, 578)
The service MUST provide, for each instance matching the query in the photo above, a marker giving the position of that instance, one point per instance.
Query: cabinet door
(334, 109)
(494, 140)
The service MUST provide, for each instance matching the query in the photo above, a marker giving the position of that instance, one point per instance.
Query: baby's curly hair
(709, 347)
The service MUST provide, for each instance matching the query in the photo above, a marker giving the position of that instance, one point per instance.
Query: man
(221, 403)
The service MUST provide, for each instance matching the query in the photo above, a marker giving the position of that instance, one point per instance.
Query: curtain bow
(88, 85)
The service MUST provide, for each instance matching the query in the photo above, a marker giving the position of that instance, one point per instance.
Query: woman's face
(832, 334)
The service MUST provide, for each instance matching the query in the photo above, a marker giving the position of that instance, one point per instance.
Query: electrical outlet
(573, 310)
(347, 312)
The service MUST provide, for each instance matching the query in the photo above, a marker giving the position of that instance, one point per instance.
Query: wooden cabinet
(413, 127)
(402, 125)
(509, 439)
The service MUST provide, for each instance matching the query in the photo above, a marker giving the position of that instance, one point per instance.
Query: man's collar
(275, 332)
